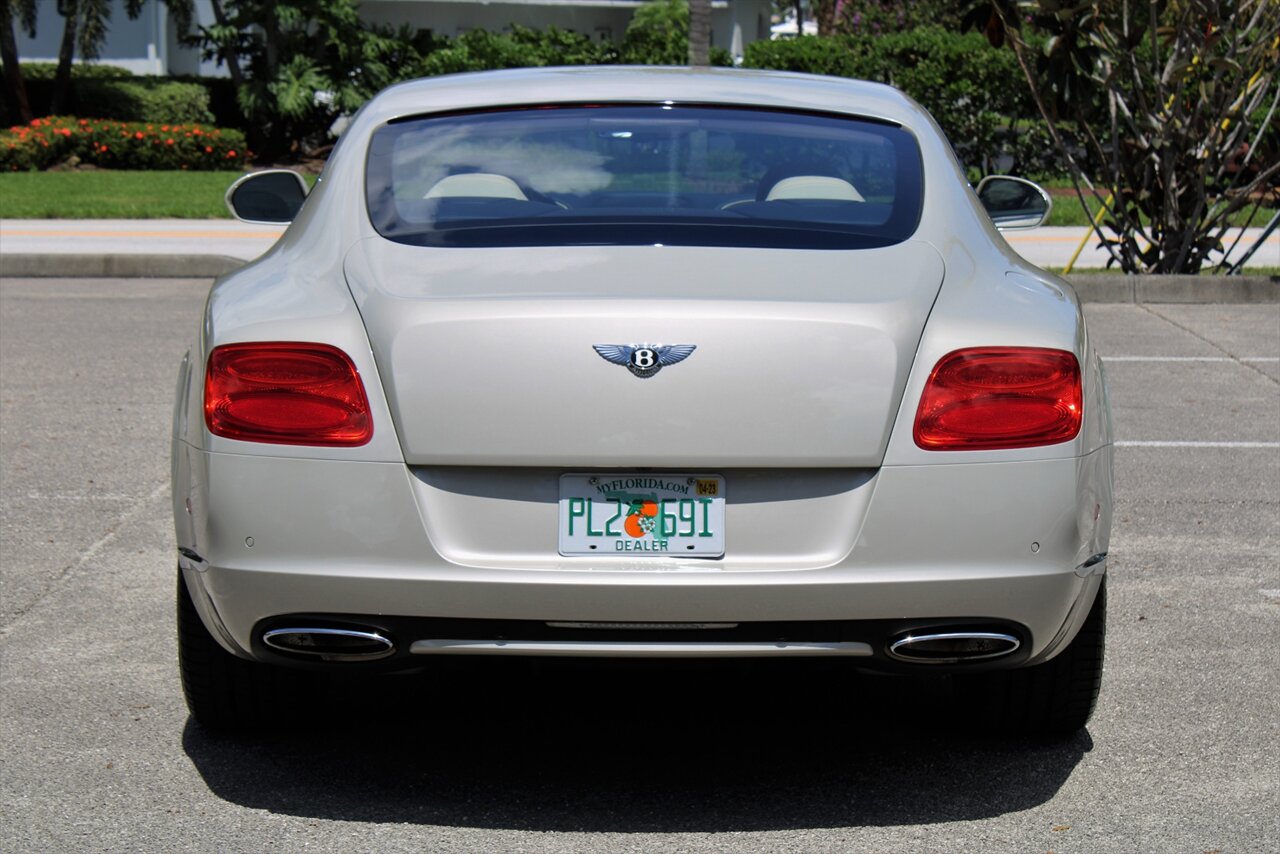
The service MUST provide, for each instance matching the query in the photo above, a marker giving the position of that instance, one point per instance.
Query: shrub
(658, 34)
(103, 91)
(480, 50)
(79, 71)
(120, 145)
(971, 90)
(835, 56)
(143, 99)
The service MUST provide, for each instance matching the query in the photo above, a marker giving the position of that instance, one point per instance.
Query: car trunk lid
(493, 356)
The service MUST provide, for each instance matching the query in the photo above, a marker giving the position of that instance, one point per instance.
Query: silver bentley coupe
(655, 363)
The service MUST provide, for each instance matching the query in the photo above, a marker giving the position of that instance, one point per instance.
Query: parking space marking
(1190, 359)
(1159, 443)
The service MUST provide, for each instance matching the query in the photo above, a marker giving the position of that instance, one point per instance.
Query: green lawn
(112, 194)
(1067, 211)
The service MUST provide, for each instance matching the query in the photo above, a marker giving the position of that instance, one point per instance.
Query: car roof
(644, 84)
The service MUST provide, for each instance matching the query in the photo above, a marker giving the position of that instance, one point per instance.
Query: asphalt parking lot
(97, 754)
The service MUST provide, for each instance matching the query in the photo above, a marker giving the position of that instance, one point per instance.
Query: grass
(1067, 210)
(111, 194)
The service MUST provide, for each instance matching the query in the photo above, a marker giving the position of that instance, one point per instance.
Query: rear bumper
(978, 542)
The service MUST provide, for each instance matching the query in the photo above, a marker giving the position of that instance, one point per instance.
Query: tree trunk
(66, 53)
(824, 13)
(15, 86)
(699, 32)
(232, 55)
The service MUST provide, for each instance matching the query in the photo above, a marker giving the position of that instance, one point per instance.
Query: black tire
(224, 692)
(1055, 698)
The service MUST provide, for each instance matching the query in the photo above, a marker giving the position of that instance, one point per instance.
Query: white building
(149, 44)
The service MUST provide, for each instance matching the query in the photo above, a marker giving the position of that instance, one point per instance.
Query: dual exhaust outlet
(920, 647)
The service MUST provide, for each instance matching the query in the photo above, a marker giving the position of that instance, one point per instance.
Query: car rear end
(632, 379)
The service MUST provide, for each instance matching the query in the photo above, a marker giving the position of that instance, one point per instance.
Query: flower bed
(120, 145)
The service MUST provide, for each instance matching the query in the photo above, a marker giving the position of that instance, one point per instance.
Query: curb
(68, 266)
(1093, 288)
(1176, 289)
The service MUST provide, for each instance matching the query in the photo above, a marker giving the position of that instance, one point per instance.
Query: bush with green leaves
(835, 56)
(104, 91)
(971, 90)
(79, 71)
(120, 145)
(297, 65)
(1175, 105)
(480, 50)
(659, 35)
(142, 99)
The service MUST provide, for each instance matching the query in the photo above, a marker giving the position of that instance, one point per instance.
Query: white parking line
(1139, 443)
(1190, 359)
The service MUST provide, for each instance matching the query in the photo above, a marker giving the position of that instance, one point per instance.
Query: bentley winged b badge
(644, 360)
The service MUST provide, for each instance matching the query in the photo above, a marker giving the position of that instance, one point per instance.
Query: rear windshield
(644, 175)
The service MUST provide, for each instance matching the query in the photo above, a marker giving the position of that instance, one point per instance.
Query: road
(97, 754)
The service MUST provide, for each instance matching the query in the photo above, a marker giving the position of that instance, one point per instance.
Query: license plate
(642, 515)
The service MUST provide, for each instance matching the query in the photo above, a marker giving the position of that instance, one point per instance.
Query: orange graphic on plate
(641, 518)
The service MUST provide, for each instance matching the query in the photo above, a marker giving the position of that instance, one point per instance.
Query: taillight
(288, 393)
(989, 398)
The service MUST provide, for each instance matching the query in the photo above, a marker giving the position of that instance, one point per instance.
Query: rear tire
(1055, 698)
(224, 692)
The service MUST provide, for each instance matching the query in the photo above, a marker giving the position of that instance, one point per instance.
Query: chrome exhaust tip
(330, 644)
(952, 647)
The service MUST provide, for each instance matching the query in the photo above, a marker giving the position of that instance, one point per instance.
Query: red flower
(208, 149)
(138, 135)
(231, 153)
(169, 141)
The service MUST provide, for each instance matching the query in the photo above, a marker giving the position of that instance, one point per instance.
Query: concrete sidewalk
(189, 237)
(1053, 246)
(206, 248)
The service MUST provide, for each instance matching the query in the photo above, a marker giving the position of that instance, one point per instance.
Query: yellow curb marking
(208, 234)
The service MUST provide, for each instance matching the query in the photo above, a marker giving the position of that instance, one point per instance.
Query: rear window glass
(642, 175)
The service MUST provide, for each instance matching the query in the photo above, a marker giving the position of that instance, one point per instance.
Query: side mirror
(1014, 203)
(270, 197)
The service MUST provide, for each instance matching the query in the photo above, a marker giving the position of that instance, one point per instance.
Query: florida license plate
(639, 515)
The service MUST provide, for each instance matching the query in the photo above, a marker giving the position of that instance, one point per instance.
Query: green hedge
(142, 99)
(975, 92)
(120, 145)
(79, 71)
(104, 91)
(481, 50)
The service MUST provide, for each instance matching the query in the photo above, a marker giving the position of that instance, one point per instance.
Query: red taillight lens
(988, 398)
(288, 393)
